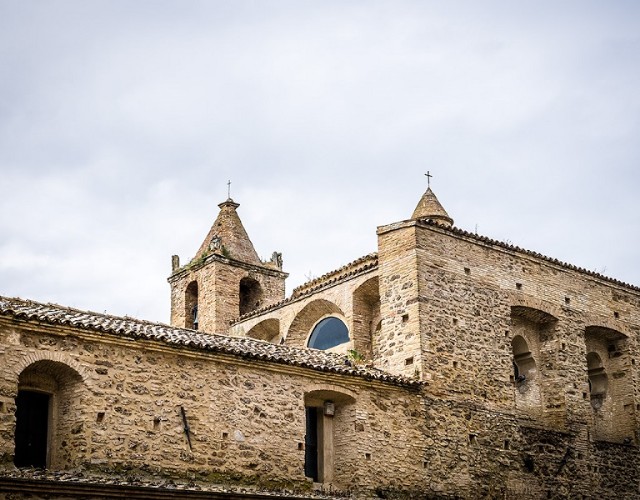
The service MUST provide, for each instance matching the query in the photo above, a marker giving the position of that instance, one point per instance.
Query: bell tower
(225, 279)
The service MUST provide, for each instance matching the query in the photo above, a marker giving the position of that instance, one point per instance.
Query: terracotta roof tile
(243, 347)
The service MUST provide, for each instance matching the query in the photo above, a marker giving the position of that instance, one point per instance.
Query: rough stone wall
(470, 289)
(473, 452)
(247, 419)
(398, 344)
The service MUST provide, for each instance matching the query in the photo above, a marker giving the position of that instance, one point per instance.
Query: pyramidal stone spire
(228, 237)
(430, 208)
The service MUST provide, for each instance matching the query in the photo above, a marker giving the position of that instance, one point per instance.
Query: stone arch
(191, 319)
(329, 431)
(56, 357)
(366, 314)
(608, 367)
(308, 316)
(250, 295)
(268, 330)
(50, 419)
(525, 302)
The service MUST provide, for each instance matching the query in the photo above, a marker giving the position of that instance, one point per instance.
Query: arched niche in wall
(268, 330)
(610, 385)
(523, 361)
(531, 332)
(366, 316)
(302, 325)
(250, 297)
(598, 379)
(49, 412)
(191, 305)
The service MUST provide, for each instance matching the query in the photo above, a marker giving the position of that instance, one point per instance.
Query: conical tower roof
(228, 236)
(430, 208)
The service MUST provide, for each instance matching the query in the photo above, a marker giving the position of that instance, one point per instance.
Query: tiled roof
(53, 314)
(513, 248)
(351, 270)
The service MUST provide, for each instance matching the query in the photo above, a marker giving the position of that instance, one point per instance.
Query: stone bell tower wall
(220, 290)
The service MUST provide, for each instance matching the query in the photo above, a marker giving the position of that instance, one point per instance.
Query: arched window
(327, 333)
(191, 306)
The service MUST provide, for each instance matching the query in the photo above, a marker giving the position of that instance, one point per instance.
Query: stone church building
(443, 365)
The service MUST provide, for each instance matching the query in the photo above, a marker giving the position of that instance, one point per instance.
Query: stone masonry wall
(398, 343)
(473, 452)
(247, 418)
(470, 290)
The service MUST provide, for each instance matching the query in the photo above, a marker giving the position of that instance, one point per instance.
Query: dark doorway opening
(311, 444)
(32, 428)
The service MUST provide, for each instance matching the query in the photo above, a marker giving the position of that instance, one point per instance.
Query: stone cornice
(200, 263)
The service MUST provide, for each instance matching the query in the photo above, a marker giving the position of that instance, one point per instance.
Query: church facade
(444, 365)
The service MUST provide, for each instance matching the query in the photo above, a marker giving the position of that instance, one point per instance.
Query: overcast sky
(121, 122)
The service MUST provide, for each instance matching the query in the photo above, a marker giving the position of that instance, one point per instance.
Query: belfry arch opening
(250, 295)
(191, 306)
(48, 421)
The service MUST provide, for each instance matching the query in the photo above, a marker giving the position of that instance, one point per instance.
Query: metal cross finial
(229, 189)
(429, 176)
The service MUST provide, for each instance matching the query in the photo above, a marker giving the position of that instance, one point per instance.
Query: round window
(328, 333)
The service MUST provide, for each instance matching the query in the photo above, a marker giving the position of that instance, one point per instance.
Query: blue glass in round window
(328, 333)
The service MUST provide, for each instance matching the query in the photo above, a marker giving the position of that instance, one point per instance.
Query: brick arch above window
(308, 316)
(55, 357)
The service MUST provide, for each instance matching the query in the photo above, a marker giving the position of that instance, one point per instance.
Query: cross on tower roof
(429, 176)
(229, 189)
